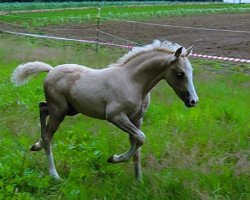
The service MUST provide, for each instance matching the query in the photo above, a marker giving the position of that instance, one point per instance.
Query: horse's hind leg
(53, 123)
(44, 112)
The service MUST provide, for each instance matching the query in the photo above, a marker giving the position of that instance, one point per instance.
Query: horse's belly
(89, 107)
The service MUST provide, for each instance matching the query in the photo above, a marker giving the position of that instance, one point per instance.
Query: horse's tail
(23, 72)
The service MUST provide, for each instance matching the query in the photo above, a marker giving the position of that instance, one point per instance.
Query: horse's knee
(139, 139)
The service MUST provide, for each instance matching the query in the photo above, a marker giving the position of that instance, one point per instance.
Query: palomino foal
(118, 94)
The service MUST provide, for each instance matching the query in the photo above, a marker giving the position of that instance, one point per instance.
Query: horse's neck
(147, 70)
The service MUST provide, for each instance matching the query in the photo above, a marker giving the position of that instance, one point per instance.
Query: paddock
(200, 153)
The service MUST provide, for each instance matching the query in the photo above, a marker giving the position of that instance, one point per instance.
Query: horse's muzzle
(190, 103)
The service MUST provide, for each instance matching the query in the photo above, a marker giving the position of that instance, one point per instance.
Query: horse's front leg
(137, 155)
(122, 121)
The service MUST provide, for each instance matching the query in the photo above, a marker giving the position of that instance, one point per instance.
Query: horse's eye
(180, 74)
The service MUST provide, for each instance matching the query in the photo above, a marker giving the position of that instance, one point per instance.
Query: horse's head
(180, 77)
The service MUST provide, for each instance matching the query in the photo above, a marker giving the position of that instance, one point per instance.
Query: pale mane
(167, 46)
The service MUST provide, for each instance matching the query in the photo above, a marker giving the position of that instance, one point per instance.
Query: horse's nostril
(192, 102)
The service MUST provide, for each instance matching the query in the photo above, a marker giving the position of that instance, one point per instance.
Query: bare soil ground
(212, 42)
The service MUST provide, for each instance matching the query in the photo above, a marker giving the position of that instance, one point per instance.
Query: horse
(119, 93)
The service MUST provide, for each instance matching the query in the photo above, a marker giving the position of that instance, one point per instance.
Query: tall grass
(199, 153)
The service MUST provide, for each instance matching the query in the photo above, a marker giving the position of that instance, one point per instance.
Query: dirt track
(219, 43)
(207, 42)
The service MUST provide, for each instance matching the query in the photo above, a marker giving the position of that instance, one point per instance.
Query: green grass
(64, 5)
(122, 12)
(199, 153)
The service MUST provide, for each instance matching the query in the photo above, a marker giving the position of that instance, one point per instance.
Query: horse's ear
(189, 50)
(174, 58)
(178, 52)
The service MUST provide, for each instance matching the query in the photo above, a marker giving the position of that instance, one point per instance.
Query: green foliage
(50, 4)
(198, 153)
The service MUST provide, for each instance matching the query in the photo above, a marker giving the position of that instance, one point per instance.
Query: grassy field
(138, 12)
(199, 153)
(64, 5)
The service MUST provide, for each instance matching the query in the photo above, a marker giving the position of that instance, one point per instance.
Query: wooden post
(2, 19)
(97, 29)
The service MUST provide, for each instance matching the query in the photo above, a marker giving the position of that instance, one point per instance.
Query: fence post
(97, 30)
(2, 19)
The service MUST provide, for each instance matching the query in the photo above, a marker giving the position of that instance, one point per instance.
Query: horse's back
(63, 77)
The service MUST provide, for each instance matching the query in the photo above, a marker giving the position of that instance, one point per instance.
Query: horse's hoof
(34, 148)
(57, 179)
(111, 159)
